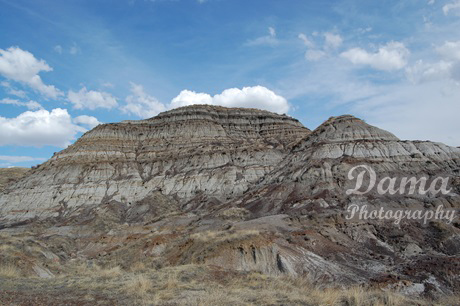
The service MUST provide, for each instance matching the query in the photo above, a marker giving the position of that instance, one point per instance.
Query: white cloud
(188, 97)
(20, 159)
(269, 39)
(22, 66)
(12, 91)
(255, 97)
(450, 50)
(58, 49)
(314, 55)
(91, 99)
(392, 56)
(39, 128)
(332, 40)
(307, 42)
(89, 121)
(425, 72)
(32, 105)
(17, 93)
(447, 68)
(425, 109)
(141, 104)
(453, 6)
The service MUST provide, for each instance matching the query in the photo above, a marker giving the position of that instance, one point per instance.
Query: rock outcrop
(315, 173)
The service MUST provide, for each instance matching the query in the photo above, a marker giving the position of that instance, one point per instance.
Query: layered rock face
(318, 168)
(184, 153)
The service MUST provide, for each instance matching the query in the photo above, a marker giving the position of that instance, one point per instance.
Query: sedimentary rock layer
(182, 153)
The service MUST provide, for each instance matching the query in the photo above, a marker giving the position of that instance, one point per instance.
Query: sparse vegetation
(200, 285)
(9, 270)
(136, 279)
(138, 285)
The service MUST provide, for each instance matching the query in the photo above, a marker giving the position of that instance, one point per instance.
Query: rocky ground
(186, 259)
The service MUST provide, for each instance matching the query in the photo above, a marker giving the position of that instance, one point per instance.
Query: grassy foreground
(183, 285)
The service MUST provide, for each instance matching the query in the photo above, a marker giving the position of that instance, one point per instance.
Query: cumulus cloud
(91, 99)
(188, 97)
(39, 128)
(89, 121)
(269, 39)
(453, 6)
(392, 56)
(450, 50)
(141, 104)
(32, 105)
(332, 40)
(255, 97)
(22, 66)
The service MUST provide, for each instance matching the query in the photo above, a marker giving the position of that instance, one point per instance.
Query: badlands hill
(242, 190)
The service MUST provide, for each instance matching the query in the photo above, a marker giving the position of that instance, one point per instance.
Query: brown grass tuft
(9, 270)
(138, 285)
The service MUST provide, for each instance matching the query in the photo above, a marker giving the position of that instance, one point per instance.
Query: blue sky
(66, 66)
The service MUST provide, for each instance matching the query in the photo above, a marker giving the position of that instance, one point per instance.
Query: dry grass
(203, 285)
(109, 272)
(94, 270)
(138, 285)
(138, 266)
(9, 270)
(234, 213)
